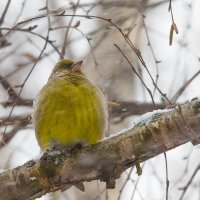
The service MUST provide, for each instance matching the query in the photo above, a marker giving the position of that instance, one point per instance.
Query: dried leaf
(80, 186)
(29, 56)
(175, 27)
(172, 29)
(171, 35)
(77, 24)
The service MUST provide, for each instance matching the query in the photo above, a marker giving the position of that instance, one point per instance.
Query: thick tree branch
(117, 109)
(128, 108)
(18, 102)
(106, 160)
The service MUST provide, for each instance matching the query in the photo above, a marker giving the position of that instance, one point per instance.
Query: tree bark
(57, 169)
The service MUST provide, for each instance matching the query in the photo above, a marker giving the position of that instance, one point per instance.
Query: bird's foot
(77, 146)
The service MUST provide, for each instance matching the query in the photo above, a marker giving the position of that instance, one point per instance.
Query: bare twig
(184, 86)
(17, 123)
(189, 182)
(4, 12)
(136, 183)
(18, 102)
(25, 120)
(125, 109)
(134, 70)
(7, 87)
(153, 53)
(125, 183)
(167, 178)
(5, 138)
(75, 6)
(21, 11)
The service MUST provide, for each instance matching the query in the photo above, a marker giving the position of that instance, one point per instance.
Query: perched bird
(69, 109)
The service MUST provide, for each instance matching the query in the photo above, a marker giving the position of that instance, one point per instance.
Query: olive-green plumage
(69, 108)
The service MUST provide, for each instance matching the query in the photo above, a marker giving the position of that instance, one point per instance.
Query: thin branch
(18, 123)
(18, 102)
(5, 138)
(167, 179)
(4, 12)
(75, 6)
(21, 11)
(125, 183)
(184, 86)
(19, 24)
(136, 184)
(30, 30)
(137, 74)
(125, 109)
(26, 119)
(153, 53)
(189, 182)
(7, 87)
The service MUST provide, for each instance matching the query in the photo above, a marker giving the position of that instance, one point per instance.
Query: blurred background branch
(143, 74)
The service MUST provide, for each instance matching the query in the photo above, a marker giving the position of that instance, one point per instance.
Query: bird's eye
(66, 64)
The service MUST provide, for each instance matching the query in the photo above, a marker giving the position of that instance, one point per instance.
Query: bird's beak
(77, 66)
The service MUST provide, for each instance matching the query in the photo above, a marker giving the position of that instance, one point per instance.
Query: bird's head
(68, 66)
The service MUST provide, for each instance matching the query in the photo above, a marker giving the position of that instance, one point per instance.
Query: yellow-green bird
(69, 109)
